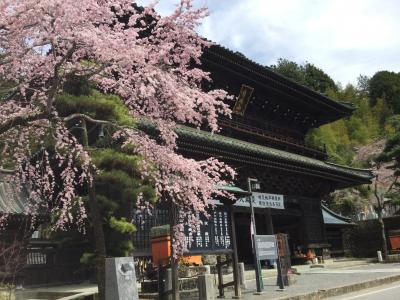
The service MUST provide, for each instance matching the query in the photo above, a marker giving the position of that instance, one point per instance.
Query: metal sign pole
(257, 266)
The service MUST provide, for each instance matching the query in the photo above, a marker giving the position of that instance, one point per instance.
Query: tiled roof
(332, 218)
(234, 190)
(11, 200)
(203, 138)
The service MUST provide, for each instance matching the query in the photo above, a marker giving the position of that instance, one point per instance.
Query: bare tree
(384, 183)
(12, 260)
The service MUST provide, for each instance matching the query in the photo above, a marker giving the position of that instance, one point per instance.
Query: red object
(394, 242)
(161, 250)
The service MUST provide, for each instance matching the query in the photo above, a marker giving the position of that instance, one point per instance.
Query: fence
(50, 264)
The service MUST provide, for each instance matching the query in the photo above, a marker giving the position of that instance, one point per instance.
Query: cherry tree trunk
(383, 234)
(97, 224)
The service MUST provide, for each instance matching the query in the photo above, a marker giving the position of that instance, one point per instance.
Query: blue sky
(344, 38)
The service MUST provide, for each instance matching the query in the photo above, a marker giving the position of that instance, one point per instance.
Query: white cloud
(344, 38)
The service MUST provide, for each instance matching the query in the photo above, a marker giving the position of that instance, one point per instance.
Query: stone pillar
(242, 278)
(168, 283)
(206, 287)
(380, 259)
(121, 279)
(207, 269)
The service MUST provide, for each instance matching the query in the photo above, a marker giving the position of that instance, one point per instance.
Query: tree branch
(393, 184)
(90, 119)
(56, 80)
(21, 121)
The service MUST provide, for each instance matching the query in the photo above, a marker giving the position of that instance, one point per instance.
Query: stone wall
(364, 239)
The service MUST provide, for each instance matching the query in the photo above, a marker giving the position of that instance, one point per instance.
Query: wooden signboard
(243, 99)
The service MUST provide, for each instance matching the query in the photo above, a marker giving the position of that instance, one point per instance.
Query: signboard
(260, 200)
(213, 234)
(266, 247)
(243, 99)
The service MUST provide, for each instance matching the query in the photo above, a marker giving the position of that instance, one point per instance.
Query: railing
(276, 138)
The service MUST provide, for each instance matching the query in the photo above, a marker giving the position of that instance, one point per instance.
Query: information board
(213, 234)
(266, 247)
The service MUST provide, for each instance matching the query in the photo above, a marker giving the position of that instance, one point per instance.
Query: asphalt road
(314, 279)
(383, 292)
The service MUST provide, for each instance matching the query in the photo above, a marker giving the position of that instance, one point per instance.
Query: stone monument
(121, 279)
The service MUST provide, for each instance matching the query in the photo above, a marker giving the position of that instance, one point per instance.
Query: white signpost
(266, 247)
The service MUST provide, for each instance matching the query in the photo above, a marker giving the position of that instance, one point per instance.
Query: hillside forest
(355, 141)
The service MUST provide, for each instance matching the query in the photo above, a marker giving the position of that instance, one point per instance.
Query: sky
(345, 38)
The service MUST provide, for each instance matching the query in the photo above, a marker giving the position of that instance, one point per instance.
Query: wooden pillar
(235, 261)
(270, 224)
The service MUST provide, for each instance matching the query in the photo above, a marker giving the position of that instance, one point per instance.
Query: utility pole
(257, 265)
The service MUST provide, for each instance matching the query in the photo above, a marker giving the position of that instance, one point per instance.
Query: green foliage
(394, 198)
(290, 69)
(363, 85)
(118, 185)
(6, 88)
(366, 124)
(369, 120)
(110, 159)
(77, 85)
(376, 100)
(306, 74)
(122, 225)
(391, 152)
(348, 202)
(318, 80)
(386, 85)
(88, 258)
(118, 182)
(158, 231)
(95, 104)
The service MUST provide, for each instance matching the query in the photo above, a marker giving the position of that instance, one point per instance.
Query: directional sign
(266, 247)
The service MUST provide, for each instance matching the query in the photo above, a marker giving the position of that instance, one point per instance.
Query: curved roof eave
(332, 218)
(356, 175)
(339, 107)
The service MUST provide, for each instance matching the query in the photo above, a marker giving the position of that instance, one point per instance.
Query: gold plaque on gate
(243, 99)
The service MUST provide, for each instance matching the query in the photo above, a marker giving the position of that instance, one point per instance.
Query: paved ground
(384, 292)
(312, 280)
(57, 293)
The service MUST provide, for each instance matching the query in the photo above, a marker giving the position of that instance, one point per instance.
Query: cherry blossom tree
(151, 62)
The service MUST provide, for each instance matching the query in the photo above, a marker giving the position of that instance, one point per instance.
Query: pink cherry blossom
(150, 62)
